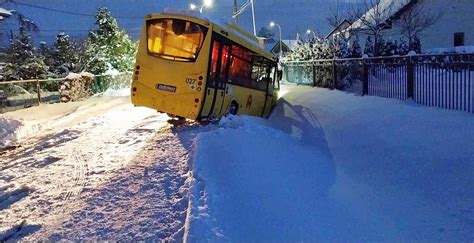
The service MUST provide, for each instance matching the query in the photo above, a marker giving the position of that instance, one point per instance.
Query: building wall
(457, 16)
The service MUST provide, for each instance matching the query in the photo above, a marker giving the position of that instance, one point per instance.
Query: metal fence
(19, 94)
(445, 81)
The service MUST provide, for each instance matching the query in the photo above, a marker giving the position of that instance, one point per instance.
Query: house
(339, 29)
(274, 47)
(454, 25)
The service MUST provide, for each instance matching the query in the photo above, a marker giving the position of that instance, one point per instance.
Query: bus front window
(175, 39)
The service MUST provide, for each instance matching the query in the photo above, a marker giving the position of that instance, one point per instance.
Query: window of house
(459, 39)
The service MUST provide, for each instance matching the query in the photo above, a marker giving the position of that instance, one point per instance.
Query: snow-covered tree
(108, 46)
(64, 55)
(266, 33)
(355, 50)
(23, 61)
(369, 47)
(415, 45)
(403, 47)
(372, 17)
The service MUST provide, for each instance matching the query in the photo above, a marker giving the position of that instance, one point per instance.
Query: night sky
(75, 17)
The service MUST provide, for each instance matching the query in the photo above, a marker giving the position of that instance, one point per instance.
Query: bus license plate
(165, 87)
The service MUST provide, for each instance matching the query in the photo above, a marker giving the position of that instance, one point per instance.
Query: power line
(72, 13)
(65, 30)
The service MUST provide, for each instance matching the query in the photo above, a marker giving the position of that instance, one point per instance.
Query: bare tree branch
(416, 20)
(372, 18)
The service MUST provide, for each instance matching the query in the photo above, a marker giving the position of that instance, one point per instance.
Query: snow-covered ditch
(253, 182)
(333, 166)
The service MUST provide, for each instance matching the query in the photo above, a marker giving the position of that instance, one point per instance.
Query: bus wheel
(234, 108)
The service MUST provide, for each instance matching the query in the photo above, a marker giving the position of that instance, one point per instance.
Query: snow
(332, 166)
(22, 124)
(326, 166)
(5, 13)
(57, 167)
(8, 128)
(458, 49)
(117, 92)
(382, 11)
(250, 183)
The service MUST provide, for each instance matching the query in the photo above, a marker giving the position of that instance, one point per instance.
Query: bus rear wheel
(234, 108)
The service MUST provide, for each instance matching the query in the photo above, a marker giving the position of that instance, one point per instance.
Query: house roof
(340, 27)
(5, 13)
(395, 8)
(286, 45)
(289, 43)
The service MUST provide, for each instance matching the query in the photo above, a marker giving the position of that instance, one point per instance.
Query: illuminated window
(175, 39)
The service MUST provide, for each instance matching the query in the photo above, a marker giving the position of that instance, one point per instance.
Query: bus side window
(213, 70)
(240, 71)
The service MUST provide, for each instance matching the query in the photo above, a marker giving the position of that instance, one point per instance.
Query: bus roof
(240, 35)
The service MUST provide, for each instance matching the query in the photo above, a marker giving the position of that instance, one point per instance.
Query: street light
(206, 3)
(279, 28)
(310, 31)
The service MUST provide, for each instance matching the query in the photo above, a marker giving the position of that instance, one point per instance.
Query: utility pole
(253, 17)
(235, 11)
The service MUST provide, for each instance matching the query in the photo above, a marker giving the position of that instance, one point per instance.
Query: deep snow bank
(8, 128)
(253, 182)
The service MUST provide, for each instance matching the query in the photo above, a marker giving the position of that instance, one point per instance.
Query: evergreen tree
(369, 47)
(415, 45)
(403, 47)
(267, 34)
(108, 47)
(64, 55)
(23, 62)
(341, 48)
(356, 50)
(380, 48)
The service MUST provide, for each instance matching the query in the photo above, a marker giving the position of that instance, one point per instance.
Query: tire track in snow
(147, 200)
(62, 169)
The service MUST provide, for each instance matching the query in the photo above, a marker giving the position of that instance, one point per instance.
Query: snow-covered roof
(340, 27)
(385, 10)
(289, 43)
(5, 13)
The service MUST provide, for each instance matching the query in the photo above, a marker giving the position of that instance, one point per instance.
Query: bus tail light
(196, 100)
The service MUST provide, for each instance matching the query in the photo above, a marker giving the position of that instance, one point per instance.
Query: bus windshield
(175, 39)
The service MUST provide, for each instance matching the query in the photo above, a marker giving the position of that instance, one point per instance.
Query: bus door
(216, 79)
(270, 100)
(219, 108)
(211, 80)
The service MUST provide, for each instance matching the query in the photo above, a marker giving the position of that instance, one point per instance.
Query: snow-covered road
(327, 166)
(81, 172)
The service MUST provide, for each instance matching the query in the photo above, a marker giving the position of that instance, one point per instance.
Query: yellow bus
(190, 67)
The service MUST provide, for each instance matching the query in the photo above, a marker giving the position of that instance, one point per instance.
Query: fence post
(334, 74)
(314, 75)
(410, 78)
(38, 91)
(365, 78)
